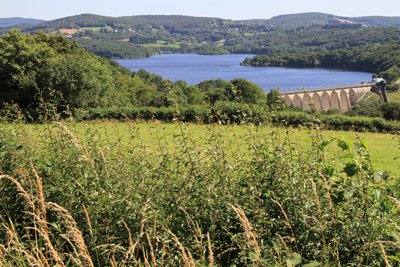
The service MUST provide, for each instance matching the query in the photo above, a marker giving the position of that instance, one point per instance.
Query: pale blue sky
(233, 9)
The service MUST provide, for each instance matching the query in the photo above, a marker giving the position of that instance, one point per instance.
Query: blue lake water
(196, 68)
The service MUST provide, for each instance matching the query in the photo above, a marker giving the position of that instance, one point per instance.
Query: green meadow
(93, 29)
(384, 149)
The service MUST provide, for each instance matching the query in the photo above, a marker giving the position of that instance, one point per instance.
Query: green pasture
(118, 137)
(93, 29)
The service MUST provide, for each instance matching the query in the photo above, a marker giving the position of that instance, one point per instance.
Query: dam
(342, 98)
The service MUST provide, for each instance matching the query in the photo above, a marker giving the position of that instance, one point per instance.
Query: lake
(196, 68)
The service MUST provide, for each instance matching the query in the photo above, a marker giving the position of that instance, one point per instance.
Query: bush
(231, 112)
(195, 114)
(235, 113)
(391, 111)
(337, 122)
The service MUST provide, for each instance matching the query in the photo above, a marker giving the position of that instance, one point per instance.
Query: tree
(274, 100)
(247, 92)
(194, 95)
(34, 68)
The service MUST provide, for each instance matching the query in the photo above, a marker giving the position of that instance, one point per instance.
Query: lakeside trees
(40, 67)
(384, 58)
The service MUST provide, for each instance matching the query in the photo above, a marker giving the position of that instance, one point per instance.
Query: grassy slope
(372, 97)
(117, 137)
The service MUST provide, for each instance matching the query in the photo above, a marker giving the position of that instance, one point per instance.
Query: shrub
(391, 111)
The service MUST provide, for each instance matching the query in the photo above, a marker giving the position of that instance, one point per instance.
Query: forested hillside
(372, 58)
(142, 36)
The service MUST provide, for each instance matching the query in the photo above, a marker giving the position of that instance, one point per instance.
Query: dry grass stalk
(284, 244)
(210, 251)
(113, 262)
(81, 147)
(395, 200)
(328, 195)
(146, 262)
(37, 217)
(41, 199)
(287, 221)
(14, 245)
(248, 231)
(152, 254)
(73, 233)
(163, 253)
(315, 189)
(2, 256)
(385, 258)
(130, 253)
(130, 240)
(42, 258)
(74, 139)
(89, 223)
(185, 255)
(198, 234)
(155, 234)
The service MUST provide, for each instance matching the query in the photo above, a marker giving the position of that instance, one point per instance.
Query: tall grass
(82, 200)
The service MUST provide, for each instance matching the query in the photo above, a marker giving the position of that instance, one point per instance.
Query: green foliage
(226, 112)
(37, 69)
(391, 111)
(194, 95)
(35, 66)
(211, 50)
(272, 204)
(274, 100)
(237, 90)
(373, 58)
(391, 75)
(242, 90)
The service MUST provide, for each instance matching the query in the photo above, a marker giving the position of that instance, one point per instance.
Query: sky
(229, 9)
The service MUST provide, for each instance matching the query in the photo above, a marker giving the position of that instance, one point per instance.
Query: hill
(302, 19)
(146, 35)
(190, 22)
(378, 21)
(315, 18)
(9, 22)
(92, 20)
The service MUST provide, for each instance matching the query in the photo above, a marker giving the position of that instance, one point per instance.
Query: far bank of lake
(196, 68)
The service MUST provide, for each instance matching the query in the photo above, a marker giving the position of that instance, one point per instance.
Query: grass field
(93, 29)
(383, 148)
(372, 97)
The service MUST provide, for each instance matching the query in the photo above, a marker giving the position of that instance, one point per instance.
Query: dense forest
(373, 58)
